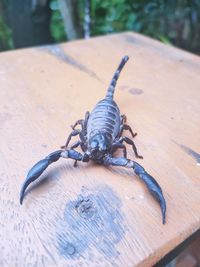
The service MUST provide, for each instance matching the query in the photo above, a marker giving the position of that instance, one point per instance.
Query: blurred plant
(57, 26)
(177, 22)
(6, 41)
(65, 22)
(110, 16)
(171, 21)
(174, 22)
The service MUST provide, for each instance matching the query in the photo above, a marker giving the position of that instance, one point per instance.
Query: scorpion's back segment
(100, 135)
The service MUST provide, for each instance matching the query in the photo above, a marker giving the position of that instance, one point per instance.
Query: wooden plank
(46, 89)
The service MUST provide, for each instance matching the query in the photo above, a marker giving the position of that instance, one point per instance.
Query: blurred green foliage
(171, 21)
(6, 41)
(175, 22)
(57, 26)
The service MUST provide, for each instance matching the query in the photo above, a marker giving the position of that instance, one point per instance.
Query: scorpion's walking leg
(78, 122)
(117, 145)
(75, 145)
(123, 119)
(82, 133)
(82, 122)
(41, 166)
(125, 126)
(73, 133)
(130, 142)
(150, 182)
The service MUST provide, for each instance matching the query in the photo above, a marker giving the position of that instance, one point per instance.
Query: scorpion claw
(150, 182)
(153, 187)
(37, 170)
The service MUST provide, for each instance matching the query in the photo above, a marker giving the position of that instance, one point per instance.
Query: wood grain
(92, 215)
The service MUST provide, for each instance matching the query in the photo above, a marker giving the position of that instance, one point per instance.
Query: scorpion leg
(73, 133)
(75, 145)
(150, 182)
(123, 119)
(127, 127)
(124, 126)
(79, 122)
(130, 142)
(117, 145)
(41, 166)
(82, 132)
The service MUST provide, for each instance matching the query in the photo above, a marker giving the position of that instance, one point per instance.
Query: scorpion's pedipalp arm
(41, 166)
(38, 169)
(150, 182)
(153, 187)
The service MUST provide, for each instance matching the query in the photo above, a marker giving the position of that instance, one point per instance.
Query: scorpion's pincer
(37, 170)
(152, 186)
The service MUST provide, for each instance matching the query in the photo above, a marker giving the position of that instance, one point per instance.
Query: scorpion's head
(99, 145)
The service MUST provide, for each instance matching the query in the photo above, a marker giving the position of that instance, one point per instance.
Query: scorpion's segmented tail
(113, 82)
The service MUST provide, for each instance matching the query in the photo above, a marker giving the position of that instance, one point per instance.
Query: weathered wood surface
(46, 89)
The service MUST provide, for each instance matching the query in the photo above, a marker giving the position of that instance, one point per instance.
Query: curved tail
(111, 88)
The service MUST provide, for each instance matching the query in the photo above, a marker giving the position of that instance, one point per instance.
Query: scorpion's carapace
(100, 135)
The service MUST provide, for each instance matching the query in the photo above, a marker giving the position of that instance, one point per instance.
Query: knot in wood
(85, 208)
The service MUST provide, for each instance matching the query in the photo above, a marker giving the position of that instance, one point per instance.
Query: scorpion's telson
(100, 135)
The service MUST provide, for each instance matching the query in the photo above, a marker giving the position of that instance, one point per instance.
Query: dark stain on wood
(189, 151)
(93, 220)
(58, 52)
(85, 208)
(65, 247)
(135, 91)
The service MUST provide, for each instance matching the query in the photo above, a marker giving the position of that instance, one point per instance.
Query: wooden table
(46, 89)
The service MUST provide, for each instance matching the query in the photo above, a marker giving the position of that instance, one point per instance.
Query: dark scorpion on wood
(100, 136)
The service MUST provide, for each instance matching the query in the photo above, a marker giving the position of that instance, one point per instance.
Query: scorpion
(100, 135)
